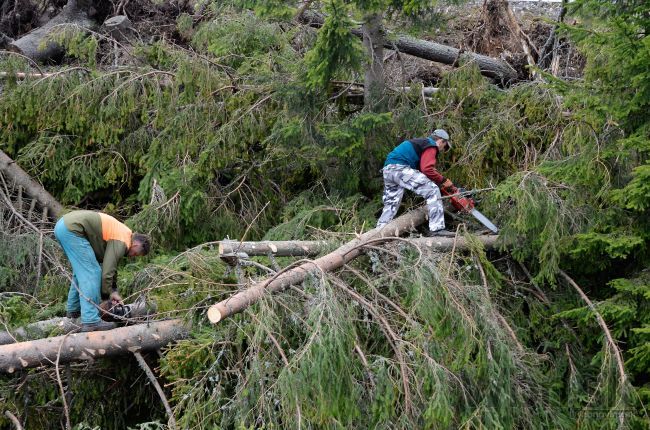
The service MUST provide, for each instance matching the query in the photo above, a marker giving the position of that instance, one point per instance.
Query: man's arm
(115, 249)
(428, 165)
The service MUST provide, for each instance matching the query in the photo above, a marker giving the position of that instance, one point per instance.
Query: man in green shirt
(89, 239)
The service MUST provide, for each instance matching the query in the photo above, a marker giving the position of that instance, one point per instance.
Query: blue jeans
(86, 273)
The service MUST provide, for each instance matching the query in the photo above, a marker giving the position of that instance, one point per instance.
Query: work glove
(448, 187)
(115, 298)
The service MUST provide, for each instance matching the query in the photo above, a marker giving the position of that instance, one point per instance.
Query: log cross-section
(91, 345)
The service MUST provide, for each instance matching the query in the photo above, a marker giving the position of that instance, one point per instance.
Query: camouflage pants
(398, 178)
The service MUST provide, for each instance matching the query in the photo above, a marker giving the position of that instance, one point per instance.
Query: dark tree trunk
(493, 68)
(33, 188)
(373, 42)
(36, 44)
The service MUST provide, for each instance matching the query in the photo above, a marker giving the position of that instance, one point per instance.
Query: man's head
(442, 139)
(140, 245)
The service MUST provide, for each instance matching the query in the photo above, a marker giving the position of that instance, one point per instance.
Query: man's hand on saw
(115, 298)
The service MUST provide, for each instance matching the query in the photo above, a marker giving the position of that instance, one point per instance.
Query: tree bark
(91, 345)
(373, 42)
(284, 248)
(493, 68)
(329, 262)
(33, 188)
(36, 45)
(61, 325)
(311, 248)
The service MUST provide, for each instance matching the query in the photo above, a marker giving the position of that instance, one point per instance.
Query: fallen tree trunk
(326, 263)
(62, 325)
(91, 345)
(311, 248)
(493, 68)
(283, 248)
(37, 44)
(33, 188)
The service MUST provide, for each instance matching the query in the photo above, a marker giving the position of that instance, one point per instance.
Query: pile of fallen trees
(157, 334)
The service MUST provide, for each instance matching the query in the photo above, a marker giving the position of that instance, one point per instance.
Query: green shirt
(88, 224)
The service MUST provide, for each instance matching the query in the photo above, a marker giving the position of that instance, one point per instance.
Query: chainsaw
(461, 201)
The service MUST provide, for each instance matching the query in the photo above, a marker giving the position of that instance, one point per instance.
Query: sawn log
(91, 345)
(311, 248)
(326, 263)
(278, 248)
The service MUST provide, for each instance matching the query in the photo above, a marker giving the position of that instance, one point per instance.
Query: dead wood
(37, 44)
(152, 378)
(91, 345)
(13, 420)
(20, 178)
(493, 68)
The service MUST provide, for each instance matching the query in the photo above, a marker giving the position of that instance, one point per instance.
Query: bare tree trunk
(284, 248)
(493, 68)
(241, 300)
(91, 345)
(373, 40)
(33, 188)
(36, 45)
(311, 248)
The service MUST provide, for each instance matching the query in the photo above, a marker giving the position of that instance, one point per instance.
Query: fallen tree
(91, 345)
(20, 178)
(311, 248)
(493, 68)
(334, 260)
(38, 44)
(279, 248)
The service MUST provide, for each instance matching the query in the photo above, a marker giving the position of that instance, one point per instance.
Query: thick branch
(329, 262)
(33, 188)
(152, 378)
(91, 345)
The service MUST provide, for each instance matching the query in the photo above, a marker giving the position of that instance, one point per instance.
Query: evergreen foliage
(230, 137)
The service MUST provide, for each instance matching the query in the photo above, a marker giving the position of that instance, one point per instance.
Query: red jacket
(428, 165)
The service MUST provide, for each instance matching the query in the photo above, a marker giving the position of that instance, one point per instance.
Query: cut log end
(214, 315)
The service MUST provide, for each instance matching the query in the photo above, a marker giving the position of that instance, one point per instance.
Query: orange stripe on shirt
(112, 229)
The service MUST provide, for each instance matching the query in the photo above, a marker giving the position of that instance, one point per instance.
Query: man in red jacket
(412, 166)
